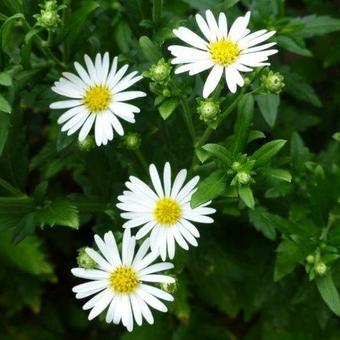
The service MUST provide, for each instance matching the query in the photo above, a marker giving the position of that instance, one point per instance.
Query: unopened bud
(160, 72)
(208, 109)
(132, 141)
(320, 268)
(169, 287)
(84, 260)
(273, 82)
(87, 144)
(243, 177)
(310, 259)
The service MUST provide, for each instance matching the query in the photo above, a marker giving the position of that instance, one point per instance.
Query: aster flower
(165, 212)
(229, 52)
(120, 284)
(98, 97)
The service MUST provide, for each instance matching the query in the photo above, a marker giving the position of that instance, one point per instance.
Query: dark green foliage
(268, 267)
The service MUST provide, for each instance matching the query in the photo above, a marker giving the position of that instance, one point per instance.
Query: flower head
(165, 212)
(224, 51)
(98, 98)
(120, 284)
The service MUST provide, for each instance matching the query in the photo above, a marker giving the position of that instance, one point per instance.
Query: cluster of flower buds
(241, 170)
(48, 17)
(272, 82)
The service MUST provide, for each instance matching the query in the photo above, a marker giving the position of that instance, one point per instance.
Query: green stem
(187, 117)
(325, 230)
(157, 10)
(142, 160)
(10, 188)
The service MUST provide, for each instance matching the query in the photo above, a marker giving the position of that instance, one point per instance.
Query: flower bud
(310, 259)
(48, 17)
(84, 260)
(243, 177)
(236, 166)
(320, 268)
(169, 287)
(208, 109)
(273, 82)
(160, 72)
(132, 141)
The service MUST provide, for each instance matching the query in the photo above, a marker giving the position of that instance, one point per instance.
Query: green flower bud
(247, 81)
(160, 72)
(84, 260)
(87, 144)
(132, 141)
(208, 109)
(50, 5)
(166, 92)
(273, 82)
(243, 177)
(236, 166)
(310, 259)
(169, 287)
(48, 17)
(320, 268)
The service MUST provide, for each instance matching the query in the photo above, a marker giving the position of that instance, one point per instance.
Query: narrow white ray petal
(90, 68)
(86, 128)
(112, 246)
(145, 310)
(212, 80)
(157, 267)
(198, 218)
(111, 309)
(98, 133)
(188, 236)
(136, 309)
(157, 292)
(188, 53)
(258, 48)
(117, 77)
(187, 188)
(230, 79)
(152, 301)
(66, 104)
(125, 245)
(147, 260)
(237, 30)
(83, 74)
(99, 259)
(190, 227)
(90, 274)
(141, 252)
(112, 70)
(167, 179)
(203, 26)
(190, 38)
(67, 91)
(105, 67)
(128, 95)
(161, 243)
(117, 314)
(105, 250)
(145, 229)
(74, 120)
(138, 221)
(88, 286)
(170, 244)
(156, 182)
(255, 41)
(88, 293)
(178, 183)
(70, 113)
(179, 239)
(126, 312)
(112, 119)
(243, 68)
(101, 305)
(212, 24)
(223, 26)
(157, 278)
(98, 67)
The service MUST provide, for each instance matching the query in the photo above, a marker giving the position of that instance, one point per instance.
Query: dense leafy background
(248, 278)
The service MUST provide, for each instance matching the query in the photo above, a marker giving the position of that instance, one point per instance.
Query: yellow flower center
(97, 98)
(167, 211)
(124, 280)
(224, 52)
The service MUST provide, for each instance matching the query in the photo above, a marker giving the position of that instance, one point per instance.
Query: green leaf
(243, 123)
(281, 174)
(4, 126)
(298, 151)
(314, 25)
(263, 222)
(75, 23)
(168, 107)
(268, 105)
(5, 79)
(220, 152)
(255, 134)
(267, 151)
(123, 36)
(329, 293)
(26, 256)
(289, 255)
(300, 89)
(211, 187)
(4, 105)
(59, 212)
(150, 50)
(294, 46)
(246, 195)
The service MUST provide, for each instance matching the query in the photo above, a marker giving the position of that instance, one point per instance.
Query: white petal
(99, 259)
(112, 247)
(189, 53)
(157, 278)
(145, 230)
(190, 38)
(179, 239)
(88, 286)
(157, 292)
(178, 183)
(230, 79)
(83, 74)
(90, 274)
(70, 113)
(86, 127)
(141, 252)
(204, 27)
(222, 25)
(111, 310)
(190, 227)
(136, 309)
(156, 180)
(152, 301)
(101, 305)
(187, 188)
(65, 104)
(128, 95)
(253, 39)
(237, 30)
(157, 267)
(212, 24)
(188, 236)
(167, 179)
(212, 80)
(145, 310)
(200, 66)
(171, 244)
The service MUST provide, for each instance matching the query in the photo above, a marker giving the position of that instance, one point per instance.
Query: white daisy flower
(231, 52)
(98, 97)
(164, 211)
(121, 283)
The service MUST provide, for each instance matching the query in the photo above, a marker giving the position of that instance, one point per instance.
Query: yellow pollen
(124, 280)
(224, 52)
(167, 211)
(97, 98)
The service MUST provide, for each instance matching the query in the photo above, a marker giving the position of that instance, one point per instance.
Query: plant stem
(325, 230)
(10, 188)
(157, 10)
(142, 160)
(187, 117)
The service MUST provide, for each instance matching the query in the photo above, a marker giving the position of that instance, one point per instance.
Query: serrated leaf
(268, 105)
(168, 107)
(328, 292)
(246, 195)
(27, 255)
(267, 151)
(220, 152)
(59, 212)
(150, 50)
(209, 188)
